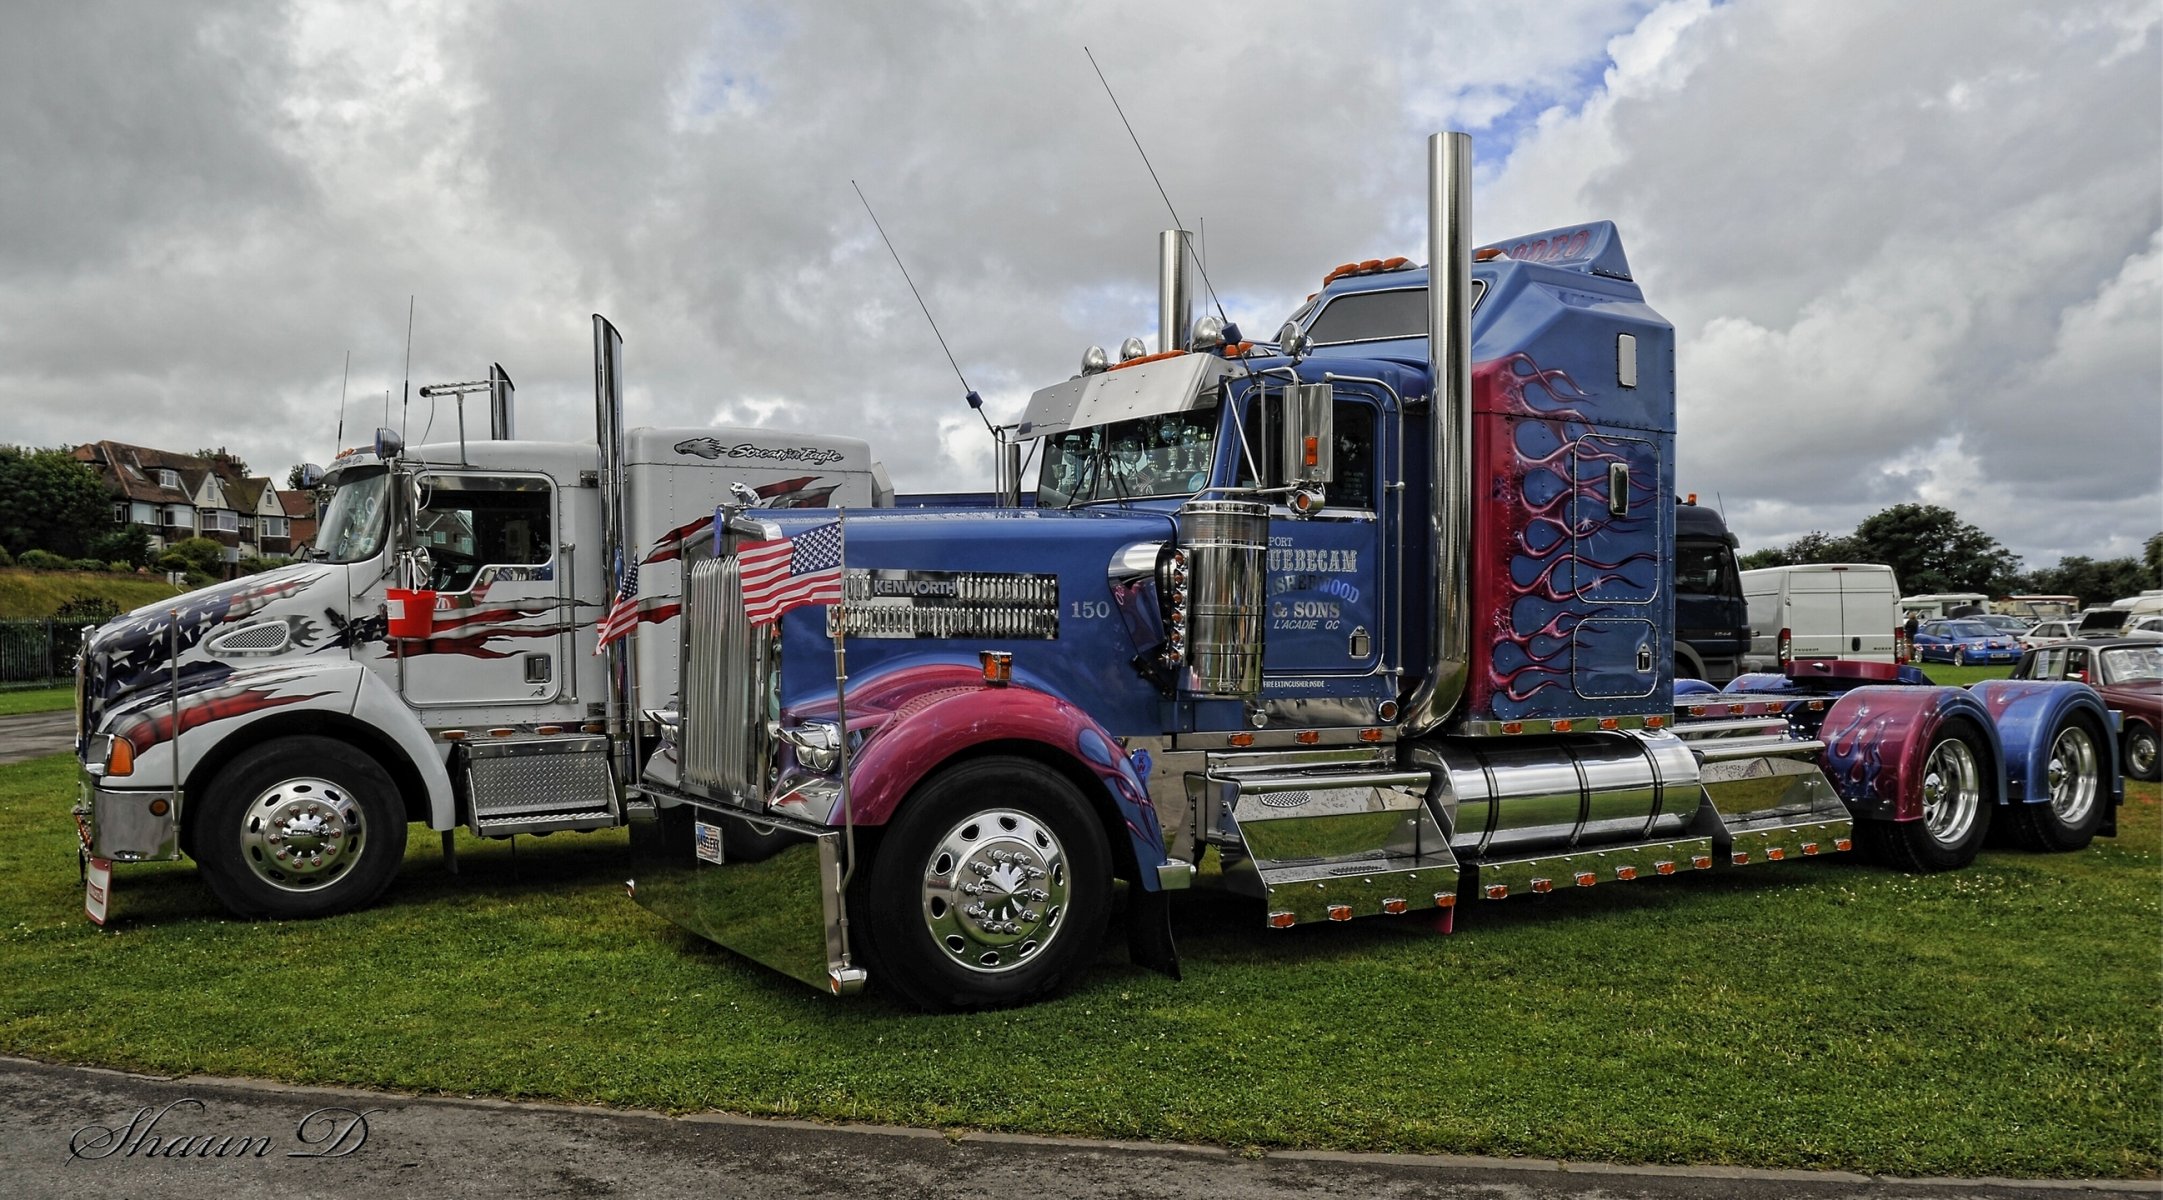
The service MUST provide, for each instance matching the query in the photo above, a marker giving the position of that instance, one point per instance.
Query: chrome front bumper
(784, 910)
(125, 826)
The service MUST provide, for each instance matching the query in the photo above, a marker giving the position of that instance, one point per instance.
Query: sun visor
(1145, 389)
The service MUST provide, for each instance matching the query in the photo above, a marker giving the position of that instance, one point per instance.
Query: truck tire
(2076, 806)
(300, 827)
(1955, 817)
(1027, 840)
(2142, 755)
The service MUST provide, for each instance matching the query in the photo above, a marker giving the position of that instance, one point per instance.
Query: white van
(1821, 610)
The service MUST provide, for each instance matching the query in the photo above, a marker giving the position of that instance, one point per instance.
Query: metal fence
(39, 651)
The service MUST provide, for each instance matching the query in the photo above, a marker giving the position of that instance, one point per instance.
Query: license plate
(98, 889)
(707, 841)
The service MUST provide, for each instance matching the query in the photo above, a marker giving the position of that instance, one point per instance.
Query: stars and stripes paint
(623, 615)
(781, 574)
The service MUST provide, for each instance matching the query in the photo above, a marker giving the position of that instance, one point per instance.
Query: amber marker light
(160, 806)
(1394, 905)
(1308, 737)
(1340, 912)
(1241, 739)
(1586, 879)
(120, 757)
(1282, 920)
(998, 667)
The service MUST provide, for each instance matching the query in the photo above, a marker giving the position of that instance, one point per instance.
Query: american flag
(780, 574)
(622, 617)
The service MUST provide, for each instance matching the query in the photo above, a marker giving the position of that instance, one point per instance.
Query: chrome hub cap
(1952, 792)
(301, 834)
(2074, 780)
(994, 890)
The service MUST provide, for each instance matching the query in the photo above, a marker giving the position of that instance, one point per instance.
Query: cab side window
(1356, 455)
(467, 523)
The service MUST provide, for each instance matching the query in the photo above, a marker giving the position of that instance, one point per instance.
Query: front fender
(1876, 739)
(2028, 713)
(941, 711)
(381, 707)
(171, 741)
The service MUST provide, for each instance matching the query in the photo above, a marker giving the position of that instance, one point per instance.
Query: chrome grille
(728, 669)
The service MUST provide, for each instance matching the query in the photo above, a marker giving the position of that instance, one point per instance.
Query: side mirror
(1309, 441)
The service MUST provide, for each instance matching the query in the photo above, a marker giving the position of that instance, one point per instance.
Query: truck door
(1619, 542)
(1325, 572)
(503, 621)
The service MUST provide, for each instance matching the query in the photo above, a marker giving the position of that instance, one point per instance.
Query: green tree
(128, 544)
(202, 555)
(49, 501)
(2095, 581)
(2152, 555)
(1815, 546)
(1930, 549)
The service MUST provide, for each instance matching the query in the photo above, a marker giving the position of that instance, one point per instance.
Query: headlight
(817, 744)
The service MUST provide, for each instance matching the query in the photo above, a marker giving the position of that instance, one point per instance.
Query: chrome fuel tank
(1505, 799)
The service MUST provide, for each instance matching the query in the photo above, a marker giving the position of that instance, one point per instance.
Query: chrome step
(1775, 806)
(540, 785)
(1586, 868)
(1329, 844)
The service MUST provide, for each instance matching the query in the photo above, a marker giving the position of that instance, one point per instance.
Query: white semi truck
(432, 659)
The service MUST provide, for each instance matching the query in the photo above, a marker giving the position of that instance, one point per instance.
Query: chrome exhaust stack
(501, 414)
(1449, 362)
(1175, 291)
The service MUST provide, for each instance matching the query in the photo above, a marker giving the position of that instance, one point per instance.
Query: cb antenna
(975, 401)
(405, 399)
(342, 382)
(1176, 222)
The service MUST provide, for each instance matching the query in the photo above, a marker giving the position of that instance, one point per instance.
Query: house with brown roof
(179, 496)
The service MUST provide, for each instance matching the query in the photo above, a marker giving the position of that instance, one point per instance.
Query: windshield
(1168, 455)
(2131, 664)
(352, 528)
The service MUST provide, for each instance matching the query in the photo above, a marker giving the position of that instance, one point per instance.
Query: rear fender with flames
(1877, 740)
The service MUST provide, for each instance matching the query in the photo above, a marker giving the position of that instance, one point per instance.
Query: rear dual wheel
(2076, 806)
(1955, 816)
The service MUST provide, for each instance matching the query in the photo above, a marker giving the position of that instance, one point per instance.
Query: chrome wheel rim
(301, 835)
(2140, 754)
(995, 890)
(1952, 792)
(2074, 780)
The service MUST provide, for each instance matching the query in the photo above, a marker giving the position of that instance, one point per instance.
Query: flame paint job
(1548, 554)
(1877, 739)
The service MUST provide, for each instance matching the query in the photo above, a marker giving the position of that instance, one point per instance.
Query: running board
(1586, 868)
(1331, 845)
(540, 785)
(1776, 806)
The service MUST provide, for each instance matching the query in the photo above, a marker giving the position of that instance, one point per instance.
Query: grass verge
(2001, 1020)
(38, 594)
(17, 701)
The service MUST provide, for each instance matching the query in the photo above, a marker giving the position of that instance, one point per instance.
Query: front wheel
(2075, 808)
(1955, 817)
(300, 827)
(1960, 656)
(2142, 755)
(990, 888)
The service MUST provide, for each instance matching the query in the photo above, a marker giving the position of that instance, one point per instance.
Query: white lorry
(432, 659)
(1822, 610)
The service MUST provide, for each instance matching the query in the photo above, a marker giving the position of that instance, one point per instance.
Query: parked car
(2006, 623)
(2129, 674)
(2046, 632)
(1963, 642)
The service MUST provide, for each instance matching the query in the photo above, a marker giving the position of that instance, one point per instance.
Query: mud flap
(1149, 931)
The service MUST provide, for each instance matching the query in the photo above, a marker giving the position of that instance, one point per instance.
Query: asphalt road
(66, 1131)
(35, 735)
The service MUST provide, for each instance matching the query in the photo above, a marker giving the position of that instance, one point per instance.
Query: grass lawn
(28, 593)
(1947, 673)
(2002, 1020)
(16, 701)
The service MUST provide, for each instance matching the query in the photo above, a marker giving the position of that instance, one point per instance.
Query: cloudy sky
(1913, 251)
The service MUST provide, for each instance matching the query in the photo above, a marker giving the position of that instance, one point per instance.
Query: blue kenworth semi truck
(1392, 632)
